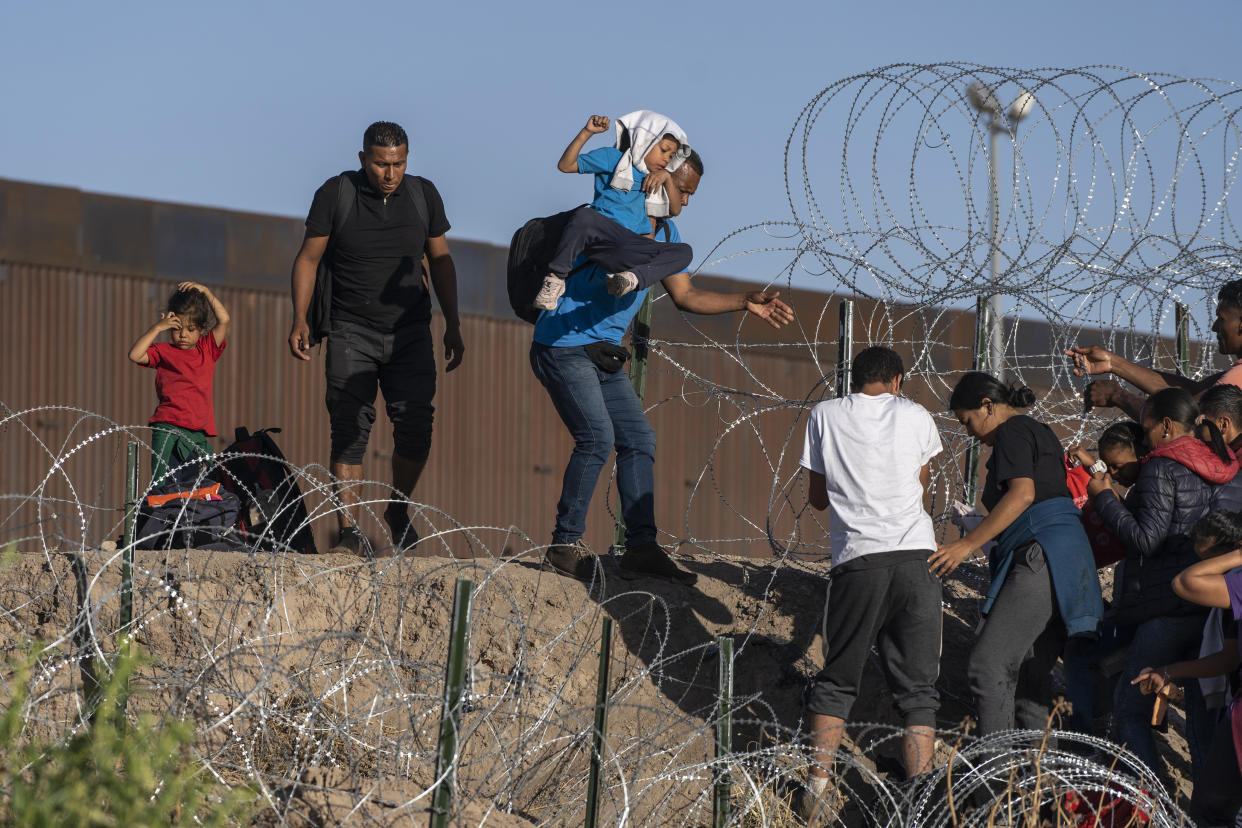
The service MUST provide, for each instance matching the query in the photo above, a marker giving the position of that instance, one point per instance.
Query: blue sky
(252, 105)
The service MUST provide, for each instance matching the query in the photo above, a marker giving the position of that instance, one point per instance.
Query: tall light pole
(989, 327)
(984, 100)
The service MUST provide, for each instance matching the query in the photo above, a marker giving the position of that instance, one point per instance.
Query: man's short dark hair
(1230, 294)
(875, 364)
(694, 162)
(384, 134)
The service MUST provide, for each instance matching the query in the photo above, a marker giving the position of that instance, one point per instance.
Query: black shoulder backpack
(320, 310)
(530, 250)
(532, 247)
(270, 511)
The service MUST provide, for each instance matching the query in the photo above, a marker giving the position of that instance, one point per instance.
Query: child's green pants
(173, 445)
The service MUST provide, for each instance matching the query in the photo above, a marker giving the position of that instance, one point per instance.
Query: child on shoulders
(184, 368)
(632, 182)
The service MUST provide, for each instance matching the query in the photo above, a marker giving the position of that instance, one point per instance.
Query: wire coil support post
(724, 733)
(845, 347)
(600, 732)
(131, 522)
(450, 717)
(1181, 317)
(981, 360)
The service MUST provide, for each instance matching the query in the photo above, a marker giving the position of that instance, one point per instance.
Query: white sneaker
(621, 283)
(551, 292)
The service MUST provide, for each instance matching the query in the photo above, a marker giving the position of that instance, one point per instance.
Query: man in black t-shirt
(379, 333)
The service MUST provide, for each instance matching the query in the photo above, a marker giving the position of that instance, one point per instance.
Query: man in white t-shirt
(867, 456)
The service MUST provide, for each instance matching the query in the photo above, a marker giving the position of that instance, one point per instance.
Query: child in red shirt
(184, 367)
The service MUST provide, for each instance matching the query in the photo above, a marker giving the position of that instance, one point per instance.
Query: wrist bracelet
(1098, 467)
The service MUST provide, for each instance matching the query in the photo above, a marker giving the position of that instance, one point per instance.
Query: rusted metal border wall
(499, 448)
(81, 275)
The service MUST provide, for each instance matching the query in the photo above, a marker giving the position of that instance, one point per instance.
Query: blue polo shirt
(627, 209)
(588, 312)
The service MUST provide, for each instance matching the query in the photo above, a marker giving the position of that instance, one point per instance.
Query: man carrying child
(599, 407)
(633, 181)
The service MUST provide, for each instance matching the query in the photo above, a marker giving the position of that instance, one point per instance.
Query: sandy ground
(322, 676)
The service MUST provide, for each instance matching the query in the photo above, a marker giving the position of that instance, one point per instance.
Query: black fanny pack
(606, 356)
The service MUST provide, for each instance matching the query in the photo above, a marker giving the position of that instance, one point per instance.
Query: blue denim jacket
(1056, 525)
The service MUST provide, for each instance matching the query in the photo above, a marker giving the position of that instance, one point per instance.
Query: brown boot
(572, 559)
(651, 559)
(815, 811)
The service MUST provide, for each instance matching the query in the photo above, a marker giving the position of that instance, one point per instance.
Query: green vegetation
(112, 772)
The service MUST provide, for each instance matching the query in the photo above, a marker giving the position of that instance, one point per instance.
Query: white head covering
(645, 128)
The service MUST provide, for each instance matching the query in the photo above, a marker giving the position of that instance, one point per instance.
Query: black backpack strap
(345, 192)
(317, 315)
(418, 195)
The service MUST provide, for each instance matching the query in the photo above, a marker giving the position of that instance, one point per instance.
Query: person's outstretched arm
(302, 286)
(221, 330)
(1019, 495)
(1223, 662)
(569, 158)
(691, 299)
(444, 281)
(1203, 583)
(138, 351)
(1107, 393)
(1096, 359)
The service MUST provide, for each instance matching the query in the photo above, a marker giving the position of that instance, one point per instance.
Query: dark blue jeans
(1159, 642)
(600, 410)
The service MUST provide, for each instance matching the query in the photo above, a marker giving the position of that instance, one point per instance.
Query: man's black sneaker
(397, 516)
(651, 559)
(352, 542)
(572, 559)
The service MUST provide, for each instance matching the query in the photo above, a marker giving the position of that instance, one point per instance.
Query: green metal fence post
(638, 379)
(981, 362)
(602, 684)
(1181, 317)
(450, 715)
(127, 554)
(724, 733)
(845, 347)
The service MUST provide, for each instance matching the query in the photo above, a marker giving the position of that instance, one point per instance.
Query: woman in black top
(1040, 543)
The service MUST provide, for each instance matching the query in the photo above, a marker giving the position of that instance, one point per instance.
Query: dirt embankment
(319, 680)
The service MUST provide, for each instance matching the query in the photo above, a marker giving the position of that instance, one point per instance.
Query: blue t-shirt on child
(629, 209)
(588, 312)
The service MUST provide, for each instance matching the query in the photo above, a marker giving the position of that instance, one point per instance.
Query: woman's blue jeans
(1157, 643)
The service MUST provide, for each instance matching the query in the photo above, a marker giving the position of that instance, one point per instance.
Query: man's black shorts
(402, 364)
(891, 600)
